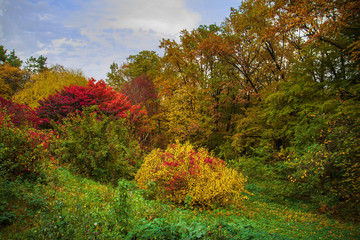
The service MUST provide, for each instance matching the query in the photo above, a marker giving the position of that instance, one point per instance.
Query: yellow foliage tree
(46, 83)
(188, 89)
(5, 90)
(12, 79)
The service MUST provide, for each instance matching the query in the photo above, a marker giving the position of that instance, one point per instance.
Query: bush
(20, 115)
(21, 150)
(73, 99)
(97, 147)
(328, 169)
(182, 175)
(19, 201)
(7, 216)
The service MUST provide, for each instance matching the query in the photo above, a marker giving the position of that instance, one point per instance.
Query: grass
(71, 207)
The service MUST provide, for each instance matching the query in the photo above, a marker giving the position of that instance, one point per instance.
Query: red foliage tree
(141, 90)
(73, 99)
(20, 114)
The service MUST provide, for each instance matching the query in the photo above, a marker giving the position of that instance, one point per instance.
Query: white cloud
(163, 17)
(63, 41)
(47, 51)
(45, 17)
(60, 46)
(40, 44)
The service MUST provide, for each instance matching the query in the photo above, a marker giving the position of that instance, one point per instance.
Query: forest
(245, 130)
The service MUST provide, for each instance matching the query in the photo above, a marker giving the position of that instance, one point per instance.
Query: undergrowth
(72, 207)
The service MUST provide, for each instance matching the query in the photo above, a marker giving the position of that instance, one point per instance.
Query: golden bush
(182, 175)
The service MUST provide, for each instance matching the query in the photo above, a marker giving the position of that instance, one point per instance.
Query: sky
(91, 34)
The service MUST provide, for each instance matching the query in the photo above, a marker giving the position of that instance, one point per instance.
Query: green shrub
(7, 215)
(323, 162)
(22, 151)
(19, 200)
(122, 206)
(97, 147)
(306, 136)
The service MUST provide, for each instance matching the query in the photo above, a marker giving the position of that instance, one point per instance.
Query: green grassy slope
(71, 207)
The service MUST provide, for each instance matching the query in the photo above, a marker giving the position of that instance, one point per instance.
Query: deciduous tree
(46, 83)
(13, 77)
(115, 77)
(143, 63)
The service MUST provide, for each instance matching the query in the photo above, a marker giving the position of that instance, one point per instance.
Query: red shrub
(23, 150)
(73, 99)
(20, 114)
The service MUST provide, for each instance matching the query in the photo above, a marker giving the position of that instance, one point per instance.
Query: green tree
(10, 58)
(115, 77)
(36, 65)
(13, 60)
(2, 55)
(141, 64)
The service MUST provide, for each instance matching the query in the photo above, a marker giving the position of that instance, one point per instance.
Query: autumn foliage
(97, 147)
(141, 90)
(19, 114)
(273, 91)
(22, 150)
(182, 175)
(45, 83)
(73, 99)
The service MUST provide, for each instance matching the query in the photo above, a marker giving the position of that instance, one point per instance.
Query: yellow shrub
(182, 175)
